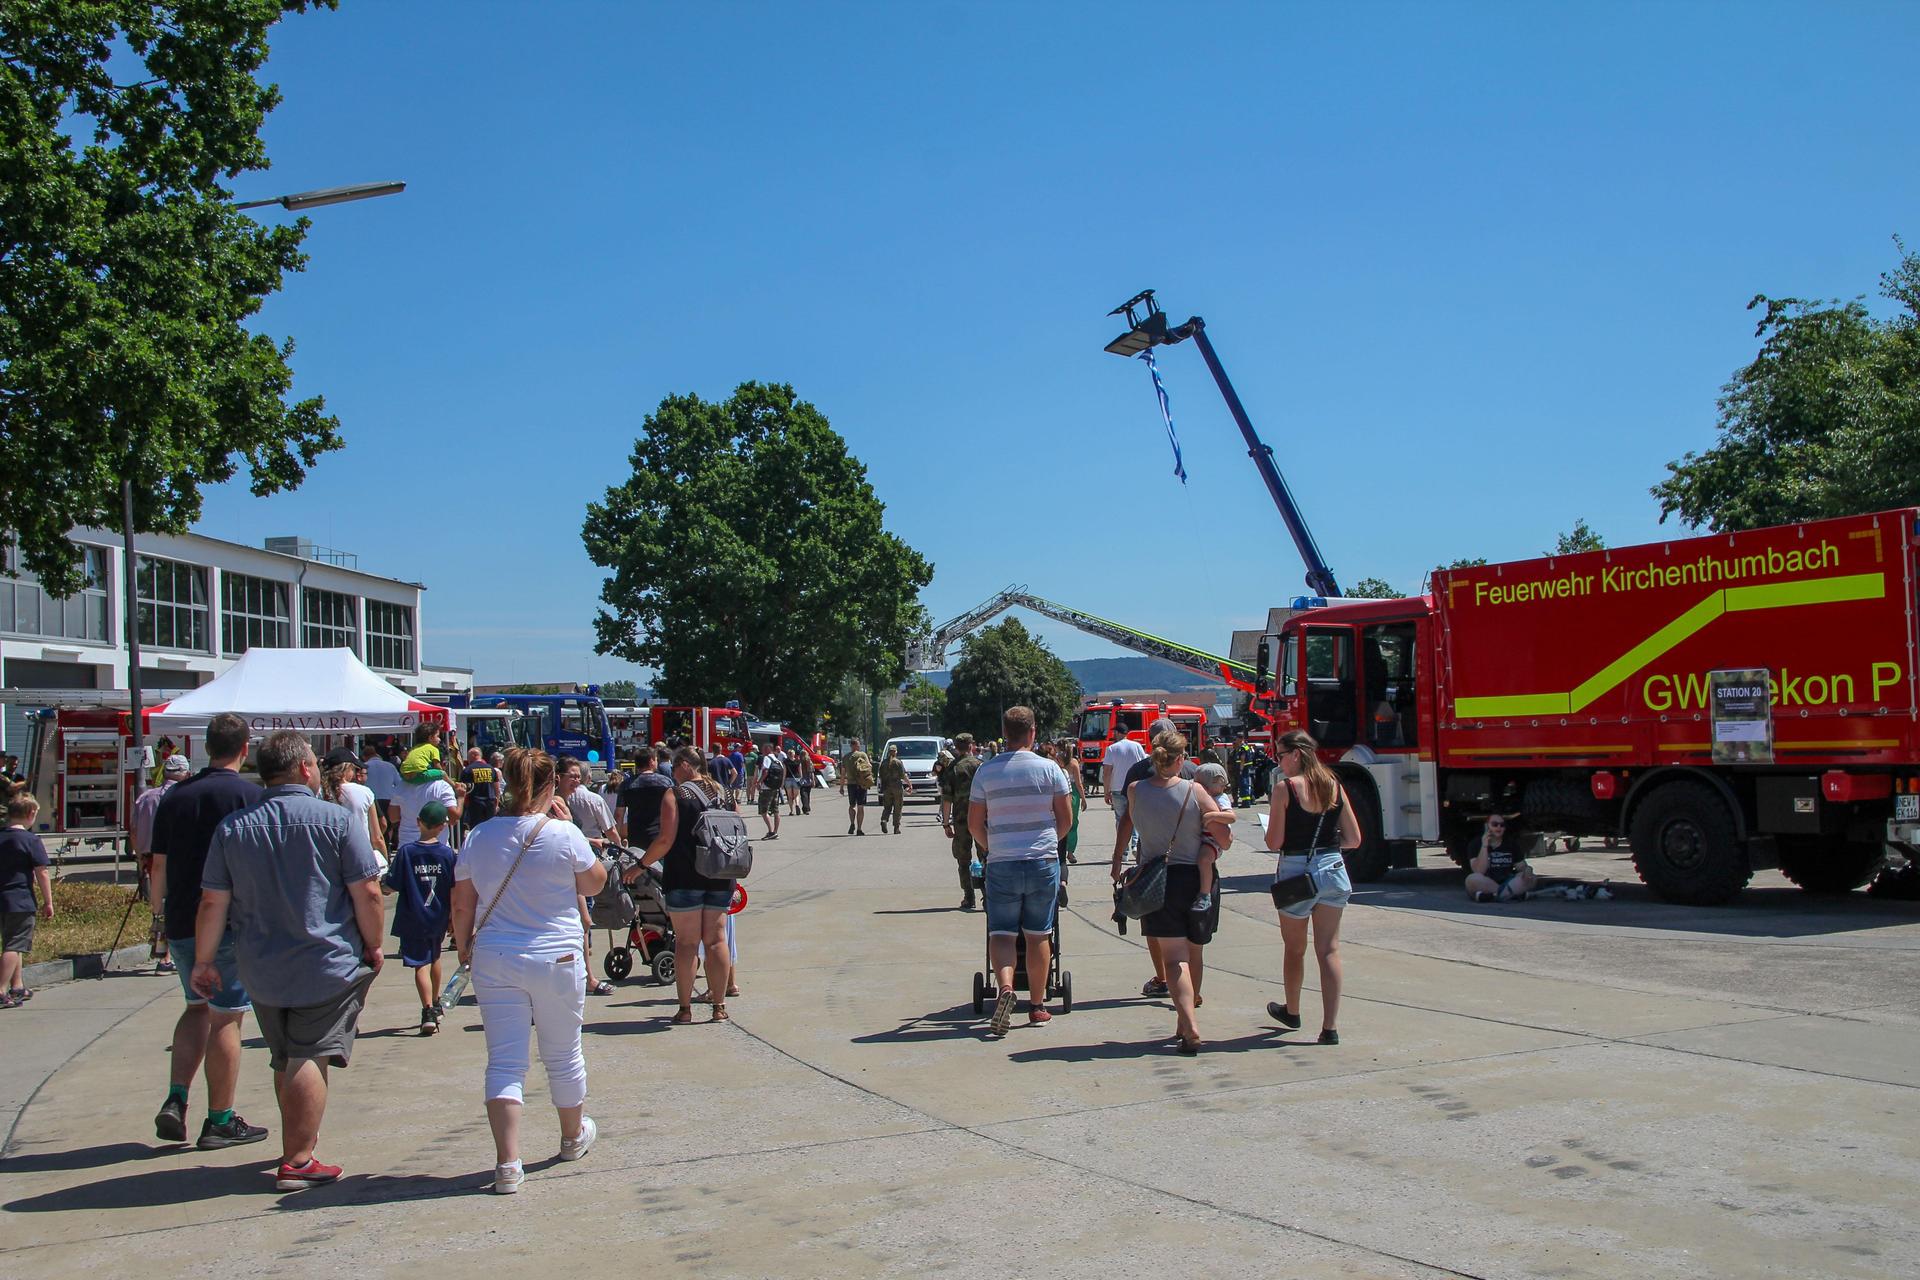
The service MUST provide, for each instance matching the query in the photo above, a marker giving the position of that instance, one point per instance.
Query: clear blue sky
(1476, 270)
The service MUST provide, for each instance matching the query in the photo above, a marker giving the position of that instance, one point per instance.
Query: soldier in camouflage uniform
(894, 788)
(956, 789)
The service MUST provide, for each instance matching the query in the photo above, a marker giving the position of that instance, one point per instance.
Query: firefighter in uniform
(894, 788)
(956, 789)
(1249, 757)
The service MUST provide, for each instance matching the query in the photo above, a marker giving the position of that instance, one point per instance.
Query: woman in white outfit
(516, 921)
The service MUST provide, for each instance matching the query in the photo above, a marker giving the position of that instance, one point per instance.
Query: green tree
(748, 558)
(1825, 421)
(1373, 589)
(922, 697)
(1006, 666)
(1577, 539)
(127, 279)
(623, 691)
(1465, 562)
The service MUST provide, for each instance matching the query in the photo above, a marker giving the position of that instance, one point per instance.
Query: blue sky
(1477, 270)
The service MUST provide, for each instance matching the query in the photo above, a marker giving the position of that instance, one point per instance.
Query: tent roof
(312, 690)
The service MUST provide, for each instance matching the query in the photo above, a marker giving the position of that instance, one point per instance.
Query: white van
(918, 754)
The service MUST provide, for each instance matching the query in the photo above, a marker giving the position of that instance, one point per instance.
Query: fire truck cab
(1101, 724)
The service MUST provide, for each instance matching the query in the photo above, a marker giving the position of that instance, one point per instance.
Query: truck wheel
(1685, 846)
(1372, 860)
(1820, 864)
(1463, 846)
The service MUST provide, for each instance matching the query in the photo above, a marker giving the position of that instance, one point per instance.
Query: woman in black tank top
(1309, 823)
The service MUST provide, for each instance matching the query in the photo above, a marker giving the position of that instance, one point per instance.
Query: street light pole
(135, 693)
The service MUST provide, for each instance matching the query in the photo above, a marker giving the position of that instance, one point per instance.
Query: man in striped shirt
(1017, 816)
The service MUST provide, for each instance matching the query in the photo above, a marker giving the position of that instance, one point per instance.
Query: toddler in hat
(1214, 778)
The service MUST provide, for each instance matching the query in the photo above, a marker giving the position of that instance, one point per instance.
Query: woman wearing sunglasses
(1498, 873)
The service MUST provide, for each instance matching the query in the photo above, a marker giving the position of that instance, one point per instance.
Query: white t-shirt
(539, 914)
(413, 799)
(359, 801)
(383, 779)
(590, 814)
(1121, 756)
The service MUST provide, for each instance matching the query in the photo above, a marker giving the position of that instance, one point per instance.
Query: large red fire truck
(1725, 703)
(1101, 724)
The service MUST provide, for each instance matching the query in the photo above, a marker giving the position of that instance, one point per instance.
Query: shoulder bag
(457, 984)
(1297, 889)
(1145, 891)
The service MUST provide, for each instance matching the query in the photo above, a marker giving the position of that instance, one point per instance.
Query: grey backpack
(721, 849)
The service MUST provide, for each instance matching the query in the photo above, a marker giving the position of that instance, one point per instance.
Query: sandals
(720, 1013)
(683, 1017)
(1153, 987)
(1188, 1048)
(733, 991)
(599, 988)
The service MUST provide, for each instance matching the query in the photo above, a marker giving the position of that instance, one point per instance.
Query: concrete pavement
(1569, 1089)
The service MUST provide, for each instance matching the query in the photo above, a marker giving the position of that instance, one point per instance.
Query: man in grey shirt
(296, 879)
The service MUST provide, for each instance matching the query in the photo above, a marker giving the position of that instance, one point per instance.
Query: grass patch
(86, 915)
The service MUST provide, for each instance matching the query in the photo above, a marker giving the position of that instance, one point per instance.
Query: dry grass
(86, 915)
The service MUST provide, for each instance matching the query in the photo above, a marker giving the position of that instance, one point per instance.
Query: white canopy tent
(316, 691)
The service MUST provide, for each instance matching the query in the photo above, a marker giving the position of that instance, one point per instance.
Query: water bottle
(455, 988)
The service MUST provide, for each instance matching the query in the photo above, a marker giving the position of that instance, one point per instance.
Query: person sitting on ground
(1498, 873)
(421, 874)
(422, 763)
(1217, 832)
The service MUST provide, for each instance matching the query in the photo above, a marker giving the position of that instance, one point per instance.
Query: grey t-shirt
(1168, 821)
(288, 862)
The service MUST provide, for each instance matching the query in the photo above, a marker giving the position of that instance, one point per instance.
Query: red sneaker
(1037, 1016)
(300, 1177)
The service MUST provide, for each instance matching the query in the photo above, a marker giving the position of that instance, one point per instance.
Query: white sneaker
(573, 1149)
(508, 1177)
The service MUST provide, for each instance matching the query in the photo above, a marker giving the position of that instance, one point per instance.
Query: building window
(389, 636)
(28, 611)
(255, 613)
(173, 603)
(327, 620)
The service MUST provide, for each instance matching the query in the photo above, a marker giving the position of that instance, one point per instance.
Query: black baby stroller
(635, 914)
(986, 986)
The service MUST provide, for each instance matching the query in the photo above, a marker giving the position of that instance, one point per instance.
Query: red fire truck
(1101, 724)
(1725, 703)
(705, 727)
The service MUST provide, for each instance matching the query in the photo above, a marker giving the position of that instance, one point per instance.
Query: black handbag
(1296, 889)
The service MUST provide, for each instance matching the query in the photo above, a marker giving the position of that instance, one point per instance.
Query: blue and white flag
(1179, 467)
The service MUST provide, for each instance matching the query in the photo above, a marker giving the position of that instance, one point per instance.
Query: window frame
(96, 597)
(170, 610)
(394, 643)
(252, 619)
(331, 626)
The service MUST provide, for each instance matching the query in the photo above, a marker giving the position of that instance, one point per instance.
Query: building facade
(200, 603)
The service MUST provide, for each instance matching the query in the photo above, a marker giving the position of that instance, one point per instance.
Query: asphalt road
(1568, 1089)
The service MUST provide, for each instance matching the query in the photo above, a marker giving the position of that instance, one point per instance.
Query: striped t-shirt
(1017, 788)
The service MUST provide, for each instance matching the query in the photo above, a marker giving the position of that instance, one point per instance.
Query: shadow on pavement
(182, 1184)
(926, 911)
(1112, 1050)
(87, 1157)
(632, 1027)
(956, 1023)
(380, 1188)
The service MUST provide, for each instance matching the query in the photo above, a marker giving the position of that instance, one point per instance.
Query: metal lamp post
(295, 202)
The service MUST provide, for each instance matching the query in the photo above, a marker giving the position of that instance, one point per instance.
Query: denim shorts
(1329, 869)
(230, 996)
(698, 899)
(1022, 896)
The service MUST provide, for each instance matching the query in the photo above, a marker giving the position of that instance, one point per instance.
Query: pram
(986, 985)
(636, 915)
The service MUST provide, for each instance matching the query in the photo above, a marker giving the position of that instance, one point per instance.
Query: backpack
(775, 775)
(721, 848)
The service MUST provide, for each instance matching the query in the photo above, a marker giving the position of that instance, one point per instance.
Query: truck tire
(1372, 860)
(1552, 803)
(1463, 846)
(1823, 864)
(1686, 847)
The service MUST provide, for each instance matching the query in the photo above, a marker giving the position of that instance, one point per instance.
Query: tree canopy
(1373, 589)
(1008, 666)
(126, 277)
(922, 697)
(1825, 421)
(748, 558)
(625, 691)
(1577, 539)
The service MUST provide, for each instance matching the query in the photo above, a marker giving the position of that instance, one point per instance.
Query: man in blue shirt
(295, 882)
(1018, 813)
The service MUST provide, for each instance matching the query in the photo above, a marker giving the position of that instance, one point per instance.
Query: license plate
(1906, 808)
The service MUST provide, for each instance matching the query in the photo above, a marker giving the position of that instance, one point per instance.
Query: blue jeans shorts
(229, 996)
(1022, 896)
(698, 899)
(1329, 870)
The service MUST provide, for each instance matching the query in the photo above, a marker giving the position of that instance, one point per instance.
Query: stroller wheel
(618, 964)
(1066, 992)
(979, 994)
(663, 966)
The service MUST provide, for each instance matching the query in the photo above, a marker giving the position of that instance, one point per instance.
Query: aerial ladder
(1149, 330)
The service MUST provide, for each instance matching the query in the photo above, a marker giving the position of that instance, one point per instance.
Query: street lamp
(296, 201)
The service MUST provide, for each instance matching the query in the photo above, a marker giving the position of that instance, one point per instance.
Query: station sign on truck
(1613, 654)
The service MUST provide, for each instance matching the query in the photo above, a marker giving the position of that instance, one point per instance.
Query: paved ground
(1563, 1089)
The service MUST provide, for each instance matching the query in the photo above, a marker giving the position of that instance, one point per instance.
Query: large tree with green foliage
(1373, 589)
(922, 697)
(1575, 540)
(748, 558)
(1824, 422)
(126, 278)
(1008, 666)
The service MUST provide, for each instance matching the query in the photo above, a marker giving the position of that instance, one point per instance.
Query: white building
(202, 603)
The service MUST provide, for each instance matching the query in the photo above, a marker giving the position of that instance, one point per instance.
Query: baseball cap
(1158, 727)
(433, 814)
(177, 766)
(340, 755)
(1211, 776)
(963, 740)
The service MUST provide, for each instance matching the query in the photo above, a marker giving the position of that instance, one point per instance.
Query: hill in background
(1111, 675)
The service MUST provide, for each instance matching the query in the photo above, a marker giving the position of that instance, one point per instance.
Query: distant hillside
(1103, 675)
